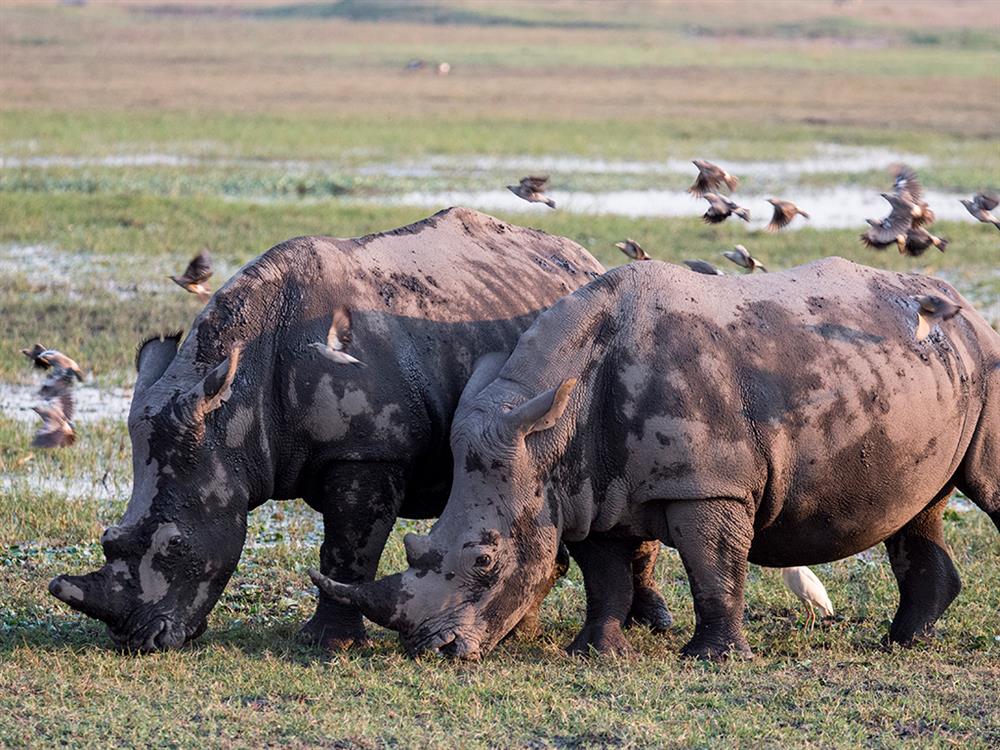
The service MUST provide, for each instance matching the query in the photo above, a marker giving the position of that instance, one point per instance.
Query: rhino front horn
(340, 592)
(84, 593)
(377, 600)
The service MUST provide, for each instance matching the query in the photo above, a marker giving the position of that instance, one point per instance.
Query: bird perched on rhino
(933, 309)
(809, 589)
(57, 429)
(632, 249)
(742, 257)
(981, 207)
(337, 340)
(703, 266)
(711, 177)
(532, 189)
(198, 271)
(784, 212)
(721, 208)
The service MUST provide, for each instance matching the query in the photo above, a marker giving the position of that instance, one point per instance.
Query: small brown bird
(532, 189)
(741, 257)
(721, 208)
(47, 359)
(892, 228)
(193, 279)
(916, 241)
(703, 266)
(57, 426)
(908, 187)
(338, 338)
(710, 177)
(632, 249)
(933, 309)
(784, 212)
(981, 206)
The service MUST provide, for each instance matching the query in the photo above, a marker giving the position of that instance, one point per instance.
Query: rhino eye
(175, 542)
(484, 561)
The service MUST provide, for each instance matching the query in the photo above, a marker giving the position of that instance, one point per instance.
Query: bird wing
(986, 202)
(535, 184)
(782, 216)
(907, 186)
(199, 269)
(339, 335)
(702, 184)
(701, 266)
(897, 222)
(66, 405)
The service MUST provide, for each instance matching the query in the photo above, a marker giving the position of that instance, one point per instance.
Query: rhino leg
(606, 564)
(360, 503)
(713, 538)
(530, 625)
(648, 606)
(928, 581)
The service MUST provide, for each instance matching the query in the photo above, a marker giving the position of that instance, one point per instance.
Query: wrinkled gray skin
(246, 410)
(786, 419)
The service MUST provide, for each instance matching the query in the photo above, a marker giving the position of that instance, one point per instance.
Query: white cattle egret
(806, 586)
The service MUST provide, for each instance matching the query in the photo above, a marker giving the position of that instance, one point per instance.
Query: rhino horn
(417, 547)
(377, 600)
(88, 594)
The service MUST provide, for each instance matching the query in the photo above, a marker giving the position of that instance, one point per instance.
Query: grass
(239, 91)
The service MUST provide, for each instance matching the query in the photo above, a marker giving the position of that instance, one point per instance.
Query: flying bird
(710, 177)
(721, 208)
(784, 212)
(57, 426)
(338, 338)
(892, 228)
(981, 207)
(198, 271)
(917, 240)
(908, 188)
(532, 189)
(632, 249)
(933, 309)
(741, 257)
(53, 359)
(703, 266)
(807, 587)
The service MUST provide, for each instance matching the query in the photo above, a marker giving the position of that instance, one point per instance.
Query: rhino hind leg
(360, 503)
(713, 538)
(606, 564)
(928, 581)
(648, 606)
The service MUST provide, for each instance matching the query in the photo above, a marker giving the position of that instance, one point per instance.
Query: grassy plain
(219, 98)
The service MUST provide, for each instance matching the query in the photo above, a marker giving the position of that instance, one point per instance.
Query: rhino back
(804, 391)
(424, 302)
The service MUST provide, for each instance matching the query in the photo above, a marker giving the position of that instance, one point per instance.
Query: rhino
(787, 419)
(329, 370)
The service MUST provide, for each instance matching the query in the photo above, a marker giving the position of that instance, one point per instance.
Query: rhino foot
(649, 609)
(332, 636)
(601, 637)
(710, 647)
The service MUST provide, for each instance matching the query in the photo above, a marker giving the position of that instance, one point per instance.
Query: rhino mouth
(447, 642)
(159, 633)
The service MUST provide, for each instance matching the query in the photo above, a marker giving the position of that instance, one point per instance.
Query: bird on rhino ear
(543, 411)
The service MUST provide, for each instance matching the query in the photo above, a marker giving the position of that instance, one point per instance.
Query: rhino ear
(214, 390)
(153, 357)
(543, 411)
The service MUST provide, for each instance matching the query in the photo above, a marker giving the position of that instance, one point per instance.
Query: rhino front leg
(360, 503)
(713, 538)
(648, 605)
(928, 581)
(606, 565)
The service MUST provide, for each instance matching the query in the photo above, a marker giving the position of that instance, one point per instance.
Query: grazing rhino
(325, 369)
(789, 419)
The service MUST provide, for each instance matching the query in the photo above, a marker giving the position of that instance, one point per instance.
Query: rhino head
(490, 555)
(172, 554)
